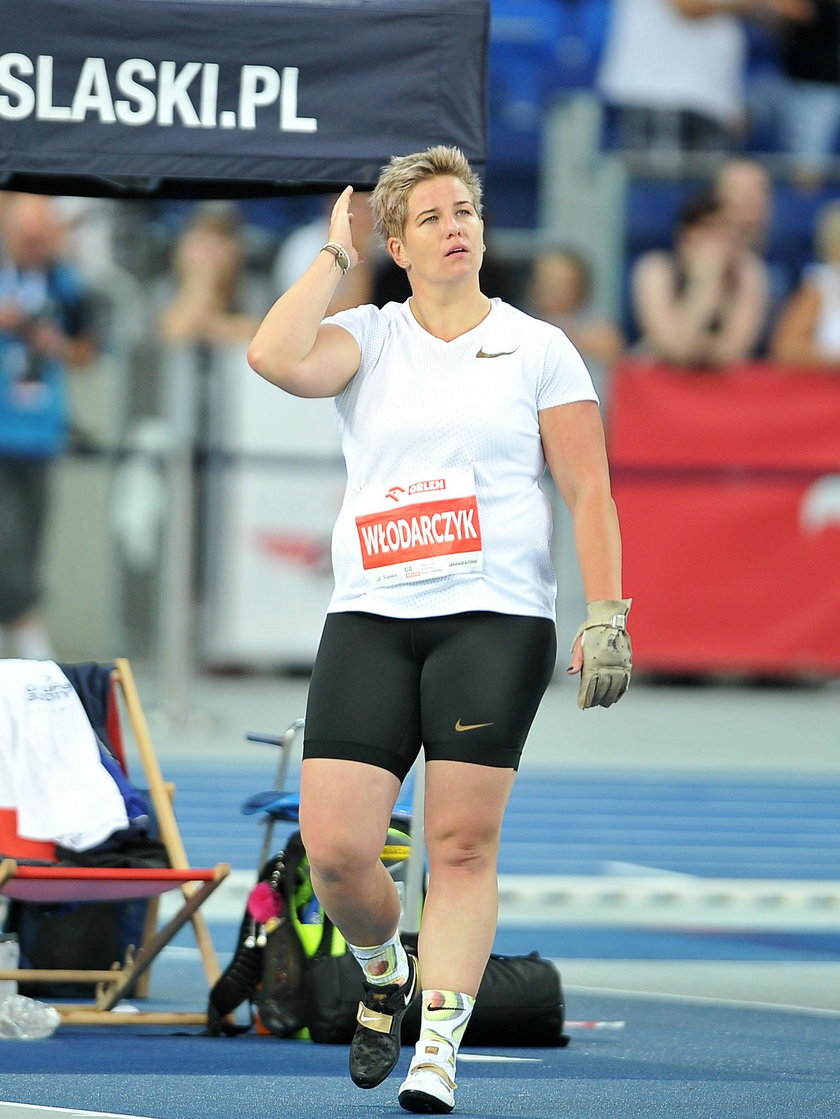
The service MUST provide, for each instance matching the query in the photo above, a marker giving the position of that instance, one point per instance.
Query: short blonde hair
(389, 200)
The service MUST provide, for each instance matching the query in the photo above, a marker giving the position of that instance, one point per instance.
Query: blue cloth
(285, 806)
(34, 410)
(91, 681)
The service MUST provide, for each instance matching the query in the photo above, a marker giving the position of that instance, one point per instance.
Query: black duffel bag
(519, 1005)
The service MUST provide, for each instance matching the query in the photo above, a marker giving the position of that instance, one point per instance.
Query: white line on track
(40, 1111)
(492, 1058)
(703, 1000)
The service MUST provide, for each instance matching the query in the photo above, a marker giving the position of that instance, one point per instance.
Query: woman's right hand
(341, 220)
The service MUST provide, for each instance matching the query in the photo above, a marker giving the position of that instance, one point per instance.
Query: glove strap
(605, 612)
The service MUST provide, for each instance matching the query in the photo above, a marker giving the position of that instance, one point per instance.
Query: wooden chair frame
(40, 883)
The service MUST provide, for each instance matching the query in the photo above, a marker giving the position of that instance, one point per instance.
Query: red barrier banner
(728, 490)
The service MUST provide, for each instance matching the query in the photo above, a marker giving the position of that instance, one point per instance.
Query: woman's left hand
(577, 658)
(603, 654)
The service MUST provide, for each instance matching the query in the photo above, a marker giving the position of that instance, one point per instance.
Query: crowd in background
(742, 75)
(751, 86)
(712, 295)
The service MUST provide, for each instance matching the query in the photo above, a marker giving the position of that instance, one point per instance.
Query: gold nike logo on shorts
(501, 353)
(470, 726)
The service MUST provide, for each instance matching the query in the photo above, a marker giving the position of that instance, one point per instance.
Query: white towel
(50, 767)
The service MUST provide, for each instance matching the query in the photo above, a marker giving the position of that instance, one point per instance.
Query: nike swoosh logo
(411, 993)
(501, 353)
(470, 726)
(366, 1019)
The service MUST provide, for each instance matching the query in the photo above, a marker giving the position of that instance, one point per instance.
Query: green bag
(310, 984)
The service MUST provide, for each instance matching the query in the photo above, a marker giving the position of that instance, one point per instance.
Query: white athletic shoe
(429, 1088)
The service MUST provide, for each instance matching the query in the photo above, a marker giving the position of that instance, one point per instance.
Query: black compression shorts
(464, 686)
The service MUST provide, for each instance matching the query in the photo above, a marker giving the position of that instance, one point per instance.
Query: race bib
(421, 528)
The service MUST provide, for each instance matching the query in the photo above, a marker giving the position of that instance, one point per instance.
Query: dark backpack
(310, 985)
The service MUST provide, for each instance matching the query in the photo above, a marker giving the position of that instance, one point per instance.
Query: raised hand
(341, 224)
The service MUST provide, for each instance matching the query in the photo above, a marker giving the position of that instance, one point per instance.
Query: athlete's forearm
(287, 334)
(598, 545)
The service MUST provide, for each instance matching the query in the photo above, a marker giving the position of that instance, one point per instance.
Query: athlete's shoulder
(370, 315)
(394, 313)
(525, 326)
(363, 312)
(367, 323)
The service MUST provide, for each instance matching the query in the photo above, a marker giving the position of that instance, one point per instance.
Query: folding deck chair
(28, 871)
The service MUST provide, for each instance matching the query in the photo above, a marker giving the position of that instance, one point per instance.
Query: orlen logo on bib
(427, 487)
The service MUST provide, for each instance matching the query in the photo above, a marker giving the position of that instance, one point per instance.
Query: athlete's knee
(471, 850)
(337, 857)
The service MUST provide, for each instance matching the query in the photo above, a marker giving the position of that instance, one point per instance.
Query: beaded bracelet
(341, 255)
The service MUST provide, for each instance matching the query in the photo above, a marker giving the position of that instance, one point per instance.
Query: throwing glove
(607, 653)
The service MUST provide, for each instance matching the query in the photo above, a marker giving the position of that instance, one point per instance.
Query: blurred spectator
(808, 330)
(97, 233)
(809, 108)
(90, 227)
(744, 188)
(703, 304)
(558, 291)
(214, 299)
(210, 305)
(673, 72)
(45, 327)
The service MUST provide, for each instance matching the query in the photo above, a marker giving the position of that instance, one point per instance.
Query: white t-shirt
(443, 510)
(657, 58)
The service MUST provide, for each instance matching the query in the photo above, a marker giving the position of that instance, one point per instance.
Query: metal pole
(416, 875)
(175, 617)
(285, 743)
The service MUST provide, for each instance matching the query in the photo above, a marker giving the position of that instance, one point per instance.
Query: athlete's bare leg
(465, 805)
(345, 809)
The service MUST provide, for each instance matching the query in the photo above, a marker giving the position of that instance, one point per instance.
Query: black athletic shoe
(375, 1047)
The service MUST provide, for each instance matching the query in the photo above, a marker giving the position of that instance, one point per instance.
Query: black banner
(219, 98)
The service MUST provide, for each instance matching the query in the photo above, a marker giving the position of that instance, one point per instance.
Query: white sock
(445, 1015)
(383, 964)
